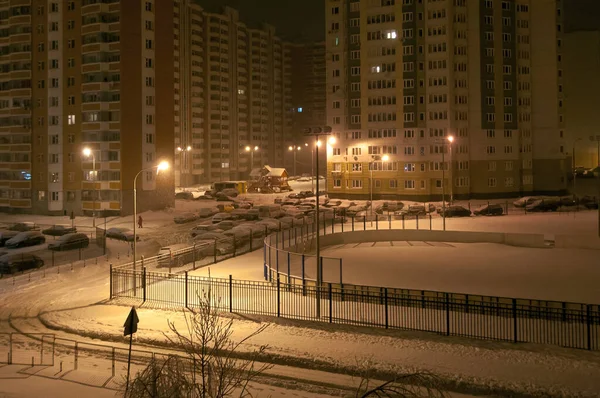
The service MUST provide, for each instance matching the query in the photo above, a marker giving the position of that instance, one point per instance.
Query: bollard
(430, 224)
(118, 255)
(58, 269)
(32, 362)
(402, 221)
(60, 371)
(71, 265)
(417, 222)
(84, 263)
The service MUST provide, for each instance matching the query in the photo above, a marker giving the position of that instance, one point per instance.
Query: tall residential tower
(404, 75)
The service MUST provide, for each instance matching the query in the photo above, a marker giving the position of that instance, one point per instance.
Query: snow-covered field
(74, 305)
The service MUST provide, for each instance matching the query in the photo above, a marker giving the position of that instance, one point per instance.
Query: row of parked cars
(28, 234)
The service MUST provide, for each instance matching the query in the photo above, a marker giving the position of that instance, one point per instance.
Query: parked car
(206, 212)
(591, 173)
(225, 208)
(223, 242)
(185, 218)
(6, 235)
(456, 211)
(202, 228)
(124, 234)
(389, 207)
(589, 201)
(22, 239)
(11, 263)
(217, 218)
(410, 212)
(489, 210)
(304, 179)
(543, 205)
(59, 230)
(24, 226)
(184, 195)
(524, 201)
(70, 241)
(226, 225)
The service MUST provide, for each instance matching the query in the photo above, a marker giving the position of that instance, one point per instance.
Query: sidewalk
(467, 366)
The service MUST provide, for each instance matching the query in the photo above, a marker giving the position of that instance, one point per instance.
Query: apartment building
(582, 96)
(136, 82)
(233, 91)
(84, 74)
(403, 76)
(308, 104)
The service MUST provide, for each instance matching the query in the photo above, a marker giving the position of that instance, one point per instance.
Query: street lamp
(252, 150)
(181, 150)
(451, 140)
(384, 158)
(87, 152)
(294, 149)
(161, 166)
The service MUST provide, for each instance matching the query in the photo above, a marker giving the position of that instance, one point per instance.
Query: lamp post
(384, 158)
(574, 171)
(181, 150)
(251, 150)
(87, 152)
(159, 167)
(294, 149)
(451, 168)
(443, 142)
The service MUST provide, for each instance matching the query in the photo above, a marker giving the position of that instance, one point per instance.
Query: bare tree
(212, 365)
(410, 385)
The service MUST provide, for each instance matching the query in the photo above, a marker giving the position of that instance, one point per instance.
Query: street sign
(131, 323)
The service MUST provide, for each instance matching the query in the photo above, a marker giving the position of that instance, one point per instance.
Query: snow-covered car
(223, 242)
(184, 195)
(6, 235)
(70, 241)
(525, 201)
(206, 212)
(12, 263)
(124, 234)
(185, 218)
(24, 226)
(489, 210)
(456, 211)
(202, 228)
(304, 179)
(28, 238)
(59, 230)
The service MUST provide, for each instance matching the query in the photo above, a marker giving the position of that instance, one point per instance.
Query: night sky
(304, 20)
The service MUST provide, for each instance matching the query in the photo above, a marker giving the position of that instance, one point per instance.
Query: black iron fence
(291, 291)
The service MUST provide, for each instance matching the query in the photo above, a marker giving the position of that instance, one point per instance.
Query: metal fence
(287, 293)
(69, 360)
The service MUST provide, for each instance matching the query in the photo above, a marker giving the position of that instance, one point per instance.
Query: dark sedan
(59, 230)
(6, 235)
(543, 205)
(29, 238)
(70, 241)
(456, 211)
(124, 234)
(489, 210)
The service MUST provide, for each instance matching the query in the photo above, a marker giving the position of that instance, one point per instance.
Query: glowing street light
(294, 149)
(251, 150)
(87, 152)
(162, 166)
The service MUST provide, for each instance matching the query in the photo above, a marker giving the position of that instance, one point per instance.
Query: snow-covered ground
(74, 304)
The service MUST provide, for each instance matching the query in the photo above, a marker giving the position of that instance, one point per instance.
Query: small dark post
(215, 251)
(288, 275)
(447, 314)
(144, 284)
(430, 223)
(385, 302)
(588, 318)
(230, 293)
(341, 281)
(278, 296)
(303, 279)
(76, 354)
(186, 289)
(352, 223)
(417, 222)
(402, 221)
(514, 310)
(389, 221)
(376, 222)
(110, 282)
(330, 294)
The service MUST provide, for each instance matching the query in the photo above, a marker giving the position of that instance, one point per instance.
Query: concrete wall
(577, 242)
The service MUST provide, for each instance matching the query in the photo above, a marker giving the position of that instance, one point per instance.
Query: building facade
(233, 91)
(77, 76)
(405, 75)
(308, 104)
(582, 96)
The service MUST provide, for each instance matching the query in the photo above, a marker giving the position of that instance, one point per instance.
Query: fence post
(186, 289)
(144, 284)
(288, 267)
(110, 282)
(430, 224)
(417, 222)
(278, 296)
(447, 314)
(303, 280)
(10, 348)
(230, 293)
(376, 222)
(265, 260)
(330, 294)
(402, 221)
(389, 221)
(352, 223)
(589, 326)
(113, 362)
(215, 251)
(385, 302)
(514, 310)
(194, 257)
(75, 360)
(365, 222)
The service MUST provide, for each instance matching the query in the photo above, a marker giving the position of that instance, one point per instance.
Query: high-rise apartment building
(233, 91)
(308, 104)
(582, 96)
(80, 74)
(405, 75)
(136, 82)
